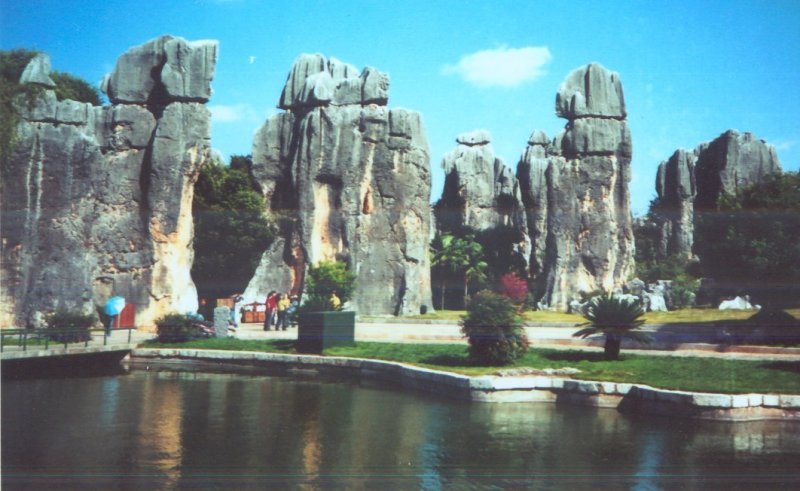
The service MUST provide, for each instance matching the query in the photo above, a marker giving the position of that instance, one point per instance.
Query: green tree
(232, 230)
(326, 277)
(749, 243)
(615, 318)
(501, 251)
(457, 259)
(493, 329)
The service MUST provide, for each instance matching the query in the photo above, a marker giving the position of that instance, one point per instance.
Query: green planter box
(320, 330)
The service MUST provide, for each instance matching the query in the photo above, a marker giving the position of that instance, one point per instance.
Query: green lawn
(677, 316)
(678, 373)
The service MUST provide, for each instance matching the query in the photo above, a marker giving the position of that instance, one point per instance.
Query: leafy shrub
(316, 302)
(74, 88)
(514, 288)
(173, 328)
(682, 296)
(329, 276)
(74, 326)
(493, 329)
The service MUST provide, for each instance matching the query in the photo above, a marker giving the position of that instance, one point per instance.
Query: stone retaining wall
(623, 396)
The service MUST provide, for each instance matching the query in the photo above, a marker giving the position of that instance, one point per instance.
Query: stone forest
(97, 200)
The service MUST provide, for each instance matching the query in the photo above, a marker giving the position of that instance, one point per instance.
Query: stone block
(623, 389)
(771, 400)
(712, 400)
(790, 401)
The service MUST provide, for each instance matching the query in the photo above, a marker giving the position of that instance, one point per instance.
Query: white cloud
(221, 113)
(502, 67)
(783, 145)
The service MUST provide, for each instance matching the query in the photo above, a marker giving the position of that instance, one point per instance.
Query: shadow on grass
(575, 356)
(285, 345)
(784, 366)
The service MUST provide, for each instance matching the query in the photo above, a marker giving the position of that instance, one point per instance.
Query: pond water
(169, 429)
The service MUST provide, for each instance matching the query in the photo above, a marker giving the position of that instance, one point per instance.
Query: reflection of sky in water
(166, 429)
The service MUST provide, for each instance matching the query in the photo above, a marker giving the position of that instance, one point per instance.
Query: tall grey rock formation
(480, 191)
(350, 179)
(97, 200)
(575, 190)
(690, 182)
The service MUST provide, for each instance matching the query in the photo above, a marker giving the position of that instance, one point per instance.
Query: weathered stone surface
(591, 91)
(480, 191)
(316, 81)
(533, 189)
(576, 192)
(675, 185)
(375, 87)
(691, 182)
(98, 203)
(37, 71)
(189, 69)
(355, 181)
(595, 136)
(731, 162)
(163, 70)
(43, 109)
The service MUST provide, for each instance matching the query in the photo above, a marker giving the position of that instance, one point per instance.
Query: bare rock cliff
(350, 179)
(575, 190)
(98, 199)
(690, 182)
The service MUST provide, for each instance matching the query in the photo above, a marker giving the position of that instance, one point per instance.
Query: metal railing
(65, 336)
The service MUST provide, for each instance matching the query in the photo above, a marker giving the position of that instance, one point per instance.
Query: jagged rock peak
(163, 70)
(730, 162)
(591, 91)
(675, 177)
(539, 137)
(473, 138)
(38, 71)
(315, 80)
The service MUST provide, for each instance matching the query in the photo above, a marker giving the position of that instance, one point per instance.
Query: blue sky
(690, 70)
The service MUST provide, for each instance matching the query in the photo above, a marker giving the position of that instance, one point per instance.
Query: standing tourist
(336, 303)
(271, 303)
(283, 306)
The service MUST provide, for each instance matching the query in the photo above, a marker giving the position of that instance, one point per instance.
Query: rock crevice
(351, 178)
(98, 199)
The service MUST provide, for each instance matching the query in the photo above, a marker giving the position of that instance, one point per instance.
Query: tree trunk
(612, 347)
(466, 292)
(444, 290)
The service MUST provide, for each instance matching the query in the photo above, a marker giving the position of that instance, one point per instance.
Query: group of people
(281, 309)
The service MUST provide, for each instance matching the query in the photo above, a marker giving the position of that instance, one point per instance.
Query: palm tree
(474, 264)
(616, 318)
(458, 255)
(446, 254)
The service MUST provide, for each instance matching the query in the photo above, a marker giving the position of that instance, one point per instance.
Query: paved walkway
(671, 341)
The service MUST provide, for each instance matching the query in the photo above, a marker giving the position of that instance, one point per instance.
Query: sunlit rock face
(97, 200)
(575, 190)
(693, 181)
(480, 191)
(350, 180)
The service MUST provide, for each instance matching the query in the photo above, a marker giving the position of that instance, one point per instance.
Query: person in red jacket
(272, 305)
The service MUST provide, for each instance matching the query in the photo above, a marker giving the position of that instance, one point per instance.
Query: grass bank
(676, 316)
(667, 372)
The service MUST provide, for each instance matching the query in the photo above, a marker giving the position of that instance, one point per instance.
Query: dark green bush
(174, 328)
(74, 88)
(330, 276)
(316, 302)
(494, 330)
(70, 327)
